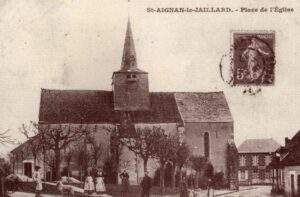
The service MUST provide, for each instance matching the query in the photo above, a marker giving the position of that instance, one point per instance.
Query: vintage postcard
(149, 98)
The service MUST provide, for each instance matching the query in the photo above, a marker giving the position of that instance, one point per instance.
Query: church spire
(129, 62)
(130, 84)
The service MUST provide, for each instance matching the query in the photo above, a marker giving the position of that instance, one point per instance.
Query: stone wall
(131, 94)
(219, 134)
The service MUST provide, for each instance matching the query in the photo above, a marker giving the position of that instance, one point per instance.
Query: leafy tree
(115, 151)
(198, 163)
(166, 147)
(5, 170)
(179, 159)
(82, 157)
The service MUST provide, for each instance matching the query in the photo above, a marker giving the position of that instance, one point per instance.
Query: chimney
(287, 141)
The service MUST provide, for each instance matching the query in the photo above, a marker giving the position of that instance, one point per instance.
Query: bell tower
(130, 84)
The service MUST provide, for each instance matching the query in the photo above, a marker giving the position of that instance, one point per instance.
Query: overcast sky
(77, 44)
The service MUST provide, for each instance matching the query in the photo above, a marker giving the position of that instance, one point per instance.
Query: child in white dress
(100, 185)
(37, 177)
(89, 186)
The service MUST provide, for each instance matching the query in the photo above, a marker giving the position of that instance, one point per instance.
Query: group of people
(91, 186)
(146, 184)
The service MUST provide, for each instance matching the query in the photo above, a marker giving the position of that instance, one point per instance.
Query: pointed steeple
(130, 84)
(129, 62)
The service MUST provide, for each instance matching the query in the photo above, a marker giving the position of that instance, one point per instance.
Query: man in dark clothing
(146, 185)
(125, 182)
(184, 188)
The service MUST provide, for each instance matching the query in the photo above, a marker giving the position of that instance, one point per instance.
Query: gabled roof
(94, 106)
(203, 107)
(258, 146)
(23, 146)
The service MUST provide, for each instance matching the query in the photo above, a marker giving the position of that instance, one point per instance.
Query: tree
(115, 151)
(198, 163)
(69, 155)
(144, 143)
(5, 138)
(96, 149)
(232, 162)
(49, 160)
(179, 159)
(165, 148)
(82, 158)
(57, 138)
(5, 170)
(34, 144)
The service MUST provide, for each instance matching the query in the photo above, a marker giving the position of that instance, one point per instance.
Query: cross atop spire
(129, 62)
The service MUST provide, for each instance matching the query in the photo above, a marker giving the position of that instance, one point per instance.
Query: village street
(258, 191)
(254, 191)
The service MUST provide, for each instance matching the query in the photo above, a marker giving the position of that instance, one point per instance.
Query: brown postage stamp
(253, 58)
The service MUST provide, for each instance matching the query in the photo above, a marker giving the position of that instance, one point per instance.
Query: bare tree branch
(5, 138)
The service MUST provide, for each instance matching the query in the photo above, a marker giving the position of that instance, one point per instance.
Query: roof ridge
(194, 92)
(43, 89)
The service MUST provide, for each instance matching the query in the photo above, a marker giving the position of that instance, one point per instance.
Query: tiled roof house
(255, 155)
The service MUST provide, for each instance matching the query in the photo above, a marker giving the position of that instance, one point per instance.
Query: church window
(206, 145)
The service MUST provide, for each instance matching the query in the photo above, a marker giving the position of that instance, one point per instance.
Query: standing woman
(37, 177)
(100, 186)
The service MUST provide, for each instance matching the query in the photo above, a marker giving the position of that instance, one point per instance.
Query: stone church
(203, 117)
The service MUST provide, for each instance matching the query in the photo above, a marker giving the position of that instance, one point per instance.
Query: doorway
(28, 169)
(292, 185)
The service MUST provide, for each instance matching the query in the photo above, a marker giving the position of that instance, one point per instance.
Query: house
(203, 118)
(286, 167)
(255, 156)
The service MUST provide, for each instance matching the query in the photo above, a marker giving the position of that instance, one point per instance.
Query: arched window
(206, 144)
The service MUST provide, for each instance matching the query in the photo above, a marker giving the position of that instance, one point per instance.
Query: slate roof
(96, 106)
(203, 107)
(258, 146)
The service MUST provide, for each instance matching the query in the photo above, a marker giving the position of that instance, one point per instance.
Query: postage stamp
(253, 58)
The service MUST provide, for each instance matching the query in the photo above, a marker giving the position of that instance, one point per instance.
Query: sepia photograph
(140, 98)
